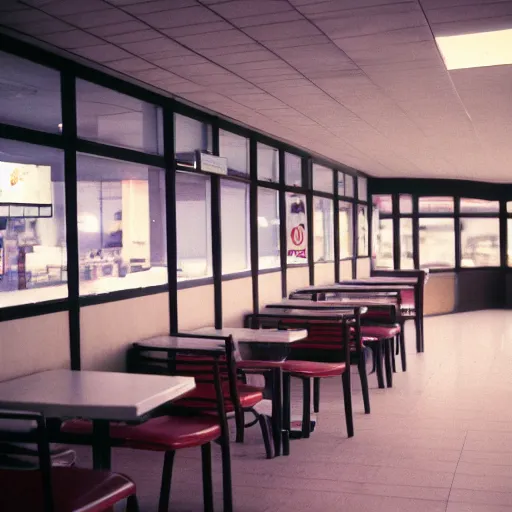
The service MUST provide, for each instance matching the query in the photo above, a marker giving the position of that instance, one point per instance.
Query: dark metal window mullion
(415, 233)
(355, 225)
(307, 173)
(503, 234)
(170, 218)
(69, 132)
(253, 222)
(396, 231)
(457, 230)
(336, 228)
(216, 235)
(282, 225)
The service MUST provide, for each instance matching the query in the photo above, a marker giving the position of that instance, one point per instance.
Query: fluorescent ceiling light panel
(476, 50)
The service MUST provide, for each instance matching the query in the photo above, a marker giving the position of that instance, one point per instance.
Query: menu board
(25, 184)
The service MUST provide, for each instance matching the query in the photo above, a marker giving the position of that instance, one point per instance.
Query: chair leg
(240, 426)
(377, 357)
(277, 410)
(361, 367)
(165, 488)
(132, 504)
(347, 399)
(403, 356)
(316, 394)
(306, 407)
(387, 363)
(286, 413)
(266, 432)
(206, 459)
(227, 486)
(393, 362)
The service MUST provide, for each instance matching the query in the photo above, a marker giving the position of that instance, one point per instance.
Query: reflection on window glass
(437, 243)
(190, 136)
(193, 226)
(384, 244)
(349, 185)
(121, 225)
(235, 227)
(406, 245)
(268, 228)
(383, 203)
(292, 170)
(480, 242)
(362, 189)
(509, 207)
(323, 213)
(362, 231)
(296, 228)
(236, 150)
(479, 206)
(322, 178)
(436, 205)
(33, 258)
(346, 230)
(405, 202)
(268, 163)
(107, 116)
(29, 94)
(341, 184)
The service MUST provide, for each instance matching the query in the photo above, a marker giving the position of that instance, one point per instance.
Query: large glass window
(436, 205)
(349, 185)
(121, 225)
(193, 226)
(479, 206)
(405, 202)
(406, 245)
(268, 163)
(236, 150)
(268, 228)
(191, 136)
(437, 243)
(346, 227)
(292, 170)
(362, 231)
(384, 244)
(296, 228)
(29, 94)
(362, 189)
(383, 203)
(322, 178)
(323, 214)
(235, 227)
(480, 242)
(107, 116)
(33, 258)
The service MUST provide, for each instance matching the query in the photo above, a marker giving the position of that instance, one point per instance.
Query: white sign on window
(25, 184)
(212, 163)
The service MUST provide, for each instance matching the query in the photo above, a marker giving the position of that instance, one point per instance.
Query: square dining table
(101, 397)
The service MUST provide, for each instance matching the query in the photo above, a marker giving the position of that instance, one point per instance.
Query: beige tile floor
(440, 440)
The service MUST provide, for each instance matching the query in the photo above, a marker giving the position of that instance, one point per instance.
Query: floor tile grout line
(455, 472)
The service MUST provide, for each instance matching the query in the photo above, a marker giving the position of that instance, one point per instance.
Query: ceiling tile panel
(118, 29)
(148, 7)
(179, 17)
(223, 39)
(282, 31)
(243, 8)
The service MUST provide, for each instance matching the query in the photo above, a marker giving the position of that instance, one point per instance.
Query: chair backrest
(40, 435)
(326, 339)
(214, 372)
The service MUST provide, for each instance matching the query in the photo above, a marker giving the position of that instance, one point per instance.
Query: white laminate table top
(242, 335)
(92, 395)
(183, 343)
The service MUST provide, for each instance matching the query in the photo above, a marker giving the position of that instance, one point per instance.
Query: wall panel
(34, 344)
(196, 308)
(108, 330)
(363, 268)
(297, 277)
(440, 293)
(324, 273)
(236, 301)
(269, 288)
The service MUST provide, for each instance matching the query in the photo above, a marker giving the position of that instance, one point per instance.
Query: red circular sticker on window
(297, 235)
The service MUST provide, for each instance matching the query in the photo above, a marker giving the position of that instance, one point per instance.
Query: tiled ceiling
(358, 81)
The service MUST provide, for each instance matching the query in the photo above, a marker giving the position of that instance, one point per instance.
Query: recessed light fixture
(476, 50)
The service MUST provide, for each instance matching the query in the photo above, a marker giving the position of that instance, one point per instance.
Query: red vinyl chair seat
(74, 489)
(407, 299)
(383, 332)
(249, 395)
(258, 365)
(163, 433)
(313, 369)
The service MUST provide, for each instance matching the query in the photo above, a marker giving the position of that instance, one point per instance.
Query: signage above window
(211, 163)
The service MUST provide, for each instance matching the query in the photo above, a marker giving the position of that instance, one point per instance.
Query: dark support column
(70, 184)
(396, 231)
(282, 225)
(216, 236)
(336, 228)
(253, 222)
